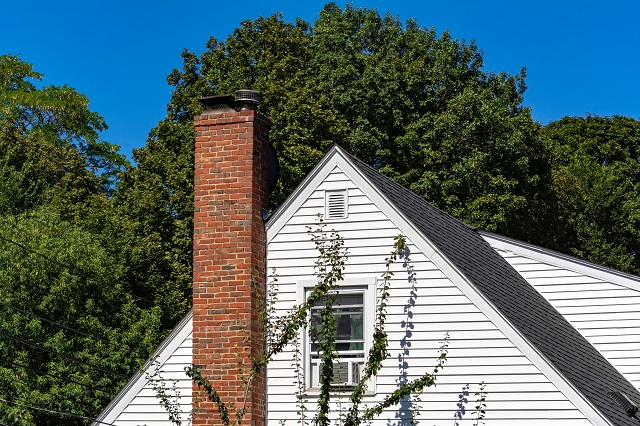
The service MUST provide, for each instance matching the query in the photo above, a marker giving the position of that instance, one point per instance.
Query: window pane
(349, 321)
(349, 299)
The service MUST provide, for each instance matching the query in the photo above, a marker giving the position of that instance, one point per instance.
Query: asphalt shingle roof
(536, 319)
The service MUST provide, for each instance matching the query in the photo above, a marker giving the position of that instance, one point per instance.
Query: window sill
(342, 392)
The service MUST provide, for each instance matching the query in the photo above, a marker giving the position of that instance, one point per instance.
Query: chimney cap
(247, 99)
(223, 102)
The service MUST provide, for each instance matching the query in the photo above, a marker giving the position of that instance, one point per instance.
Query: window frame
(365, 285)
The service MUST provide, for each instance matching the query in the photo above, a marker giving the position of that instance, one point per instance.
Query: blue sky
(581, 56)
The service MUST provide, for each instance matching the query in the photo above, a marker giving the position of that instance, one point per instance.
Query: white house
(550, 336)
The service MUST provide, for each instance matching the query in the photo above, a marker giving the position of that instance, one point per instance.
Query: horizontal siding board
(449, 393)
(389, 376)
(448, 402)
(299, 233)
(614, 339)
(563, 280)
(283, 391)
(599, 308)
(312, 219)
(306, 249)
(549, 273)
(498, 417)
(356, 259)
(480, 362)
(309, 214)
(353, 270)
(619, 296)
(548, 288)
(345, 228)
(577, 317)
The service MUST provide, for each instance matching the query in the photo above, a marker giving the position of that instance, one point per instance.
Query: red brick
(229, 249)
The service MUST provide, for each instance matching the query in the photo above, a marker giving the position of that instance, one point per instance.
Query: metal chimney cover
(248, 99)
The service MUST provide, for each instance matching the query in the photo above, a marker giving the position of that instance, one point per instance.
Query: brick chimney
(231, 189)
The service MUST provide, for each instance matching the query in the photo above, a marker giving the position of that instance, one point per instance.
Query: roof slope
(137, 382)
(522, 305)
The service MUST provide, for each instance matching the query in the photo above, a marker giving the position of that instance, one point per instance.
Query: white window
(354, 314)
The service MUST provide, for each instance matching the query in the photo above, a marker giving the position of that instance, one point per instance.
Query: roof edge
(477, 296)
(274, 224)
(562, 260)
(140, 373)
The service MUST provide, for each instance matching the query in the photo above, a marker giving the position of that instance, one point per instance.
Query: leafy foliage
(59, 115)
(154, 201)
(33, 172)
(99, 337)
(416, 104)
(596, 189)
(71, 330)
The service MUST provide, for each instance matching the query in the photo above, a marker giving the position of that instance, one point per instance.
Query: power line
(42, 373)
(70, 358)
(113, 344)
(44, 256)
(48, 410)
(67, 267)
(55, 323)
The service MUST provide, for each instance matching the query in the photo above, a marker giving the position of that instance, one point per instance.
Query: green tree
(596, 189)
(53, 270)
(415, 104)
(61, 266)
(154, 204)
(35, 172)
(58, 115)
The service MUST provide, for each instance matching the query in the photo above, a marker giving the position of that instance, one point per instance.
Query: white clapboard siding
(604, 306)
(429, 306)
(137, 404)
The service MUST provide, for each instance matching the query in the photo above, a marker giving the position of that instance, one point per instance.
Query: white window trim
(369, 286)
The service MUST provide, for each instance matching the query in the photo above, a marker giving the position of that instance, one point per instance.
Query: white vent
(336, 204)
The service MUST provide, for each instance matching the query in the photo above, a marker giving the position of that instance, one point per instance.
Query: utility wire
(42, 373)
(70, 358)
(67, 267)
(55, 323)
(44, 256)
(48, 410)
(113, 344)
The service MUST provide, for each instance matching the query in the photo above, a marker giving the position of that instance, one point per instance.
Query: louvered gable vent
(336, 204)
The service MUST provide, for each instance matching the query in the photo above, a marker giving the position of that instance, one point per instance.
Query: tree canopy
(51, 270)
(596, 189)
(413, 103)
(57, 114)
(72, 328)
